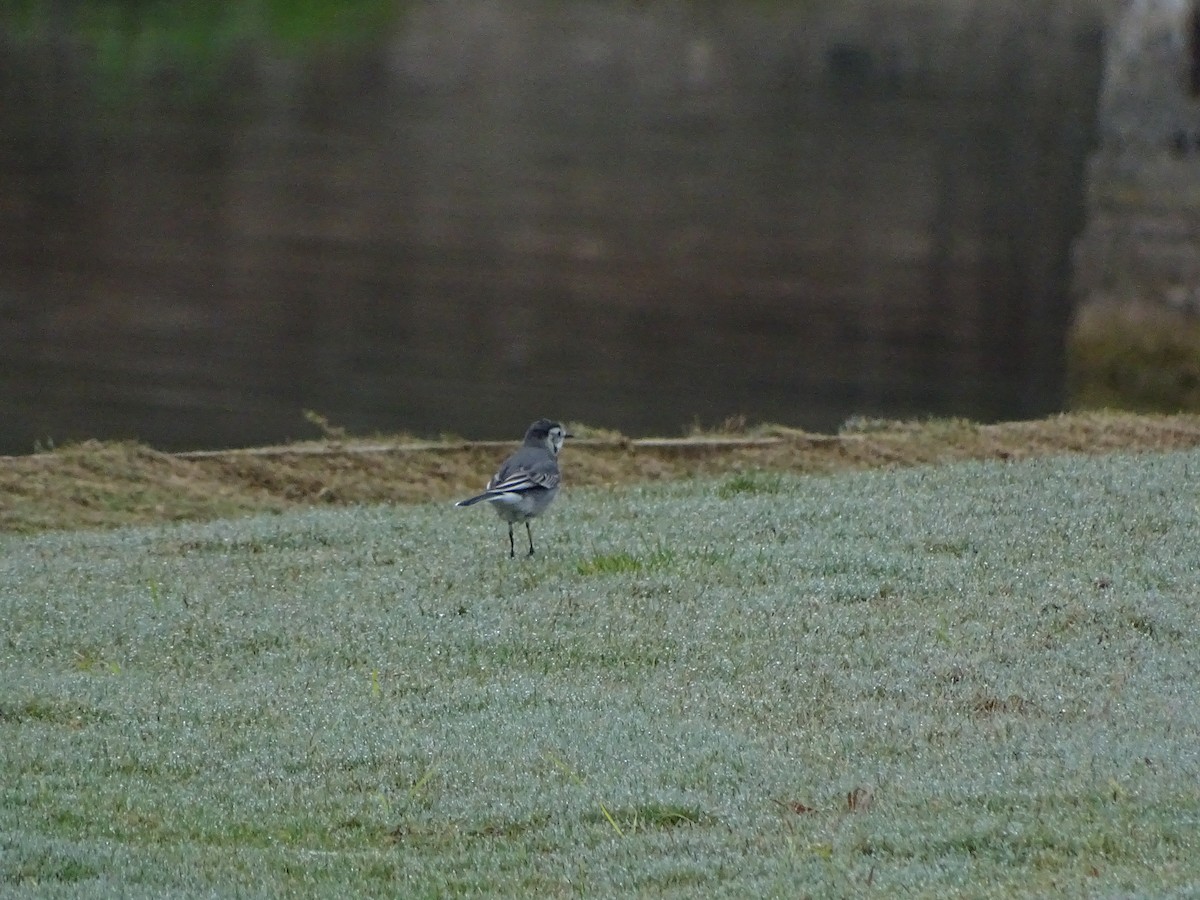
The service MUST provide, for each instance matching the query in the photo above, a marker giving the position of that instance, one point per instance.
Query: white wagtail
(527, 481)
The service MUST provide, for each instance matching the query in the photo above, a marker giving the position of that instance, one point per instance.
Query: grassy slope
(977, 677)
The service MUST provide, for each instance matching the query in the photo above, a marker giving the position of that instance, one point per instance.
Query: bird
(527, 482)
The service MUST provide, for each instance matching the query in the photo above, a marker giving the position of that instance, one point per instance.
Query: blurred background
(455, 217)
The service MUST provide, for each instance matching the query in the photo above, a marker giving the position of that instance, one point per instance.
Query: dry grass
(104, 485)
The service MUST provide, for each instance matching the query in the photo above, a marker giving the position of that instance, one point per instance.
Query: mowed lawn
(965, 680)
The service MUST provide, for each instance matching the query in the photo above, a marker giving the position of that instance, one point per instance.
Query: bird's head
(548, 434)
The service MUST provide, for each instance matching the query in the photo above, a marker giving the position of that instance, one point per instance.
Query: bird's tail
(471, 501)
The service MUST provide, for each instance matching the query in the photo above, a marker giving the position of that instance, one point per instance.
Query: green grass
(971, 680)
(750, 483)
(624, 562)
(126, 42)
(1129, 357)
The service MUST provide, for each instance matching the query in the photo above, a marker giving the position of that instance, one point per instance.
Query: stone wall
(1135, 338)
(1143, 218)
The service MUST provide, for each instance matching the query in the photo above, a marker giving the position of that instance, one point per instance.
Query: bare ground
(94, 485)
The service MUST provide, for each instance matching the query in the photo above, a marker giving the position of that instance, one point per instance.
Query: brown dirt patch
(102, 485)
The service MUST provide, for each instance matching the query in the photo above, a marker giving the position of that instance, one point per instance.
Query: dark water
(626, 216)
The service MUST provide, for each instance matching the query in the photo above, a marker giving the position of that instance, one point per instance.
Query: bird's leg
(529, 531)
(512, 549)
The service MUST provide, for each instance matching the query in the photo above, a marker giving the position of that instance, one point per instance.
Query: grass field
(974, 679)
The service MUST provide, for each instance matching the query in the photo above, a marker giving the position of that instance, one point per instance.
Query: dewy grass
(974, 679)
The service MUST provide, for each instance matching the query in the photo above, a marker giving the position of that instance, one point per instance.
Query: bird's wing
(522, 472)
(522, 480)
